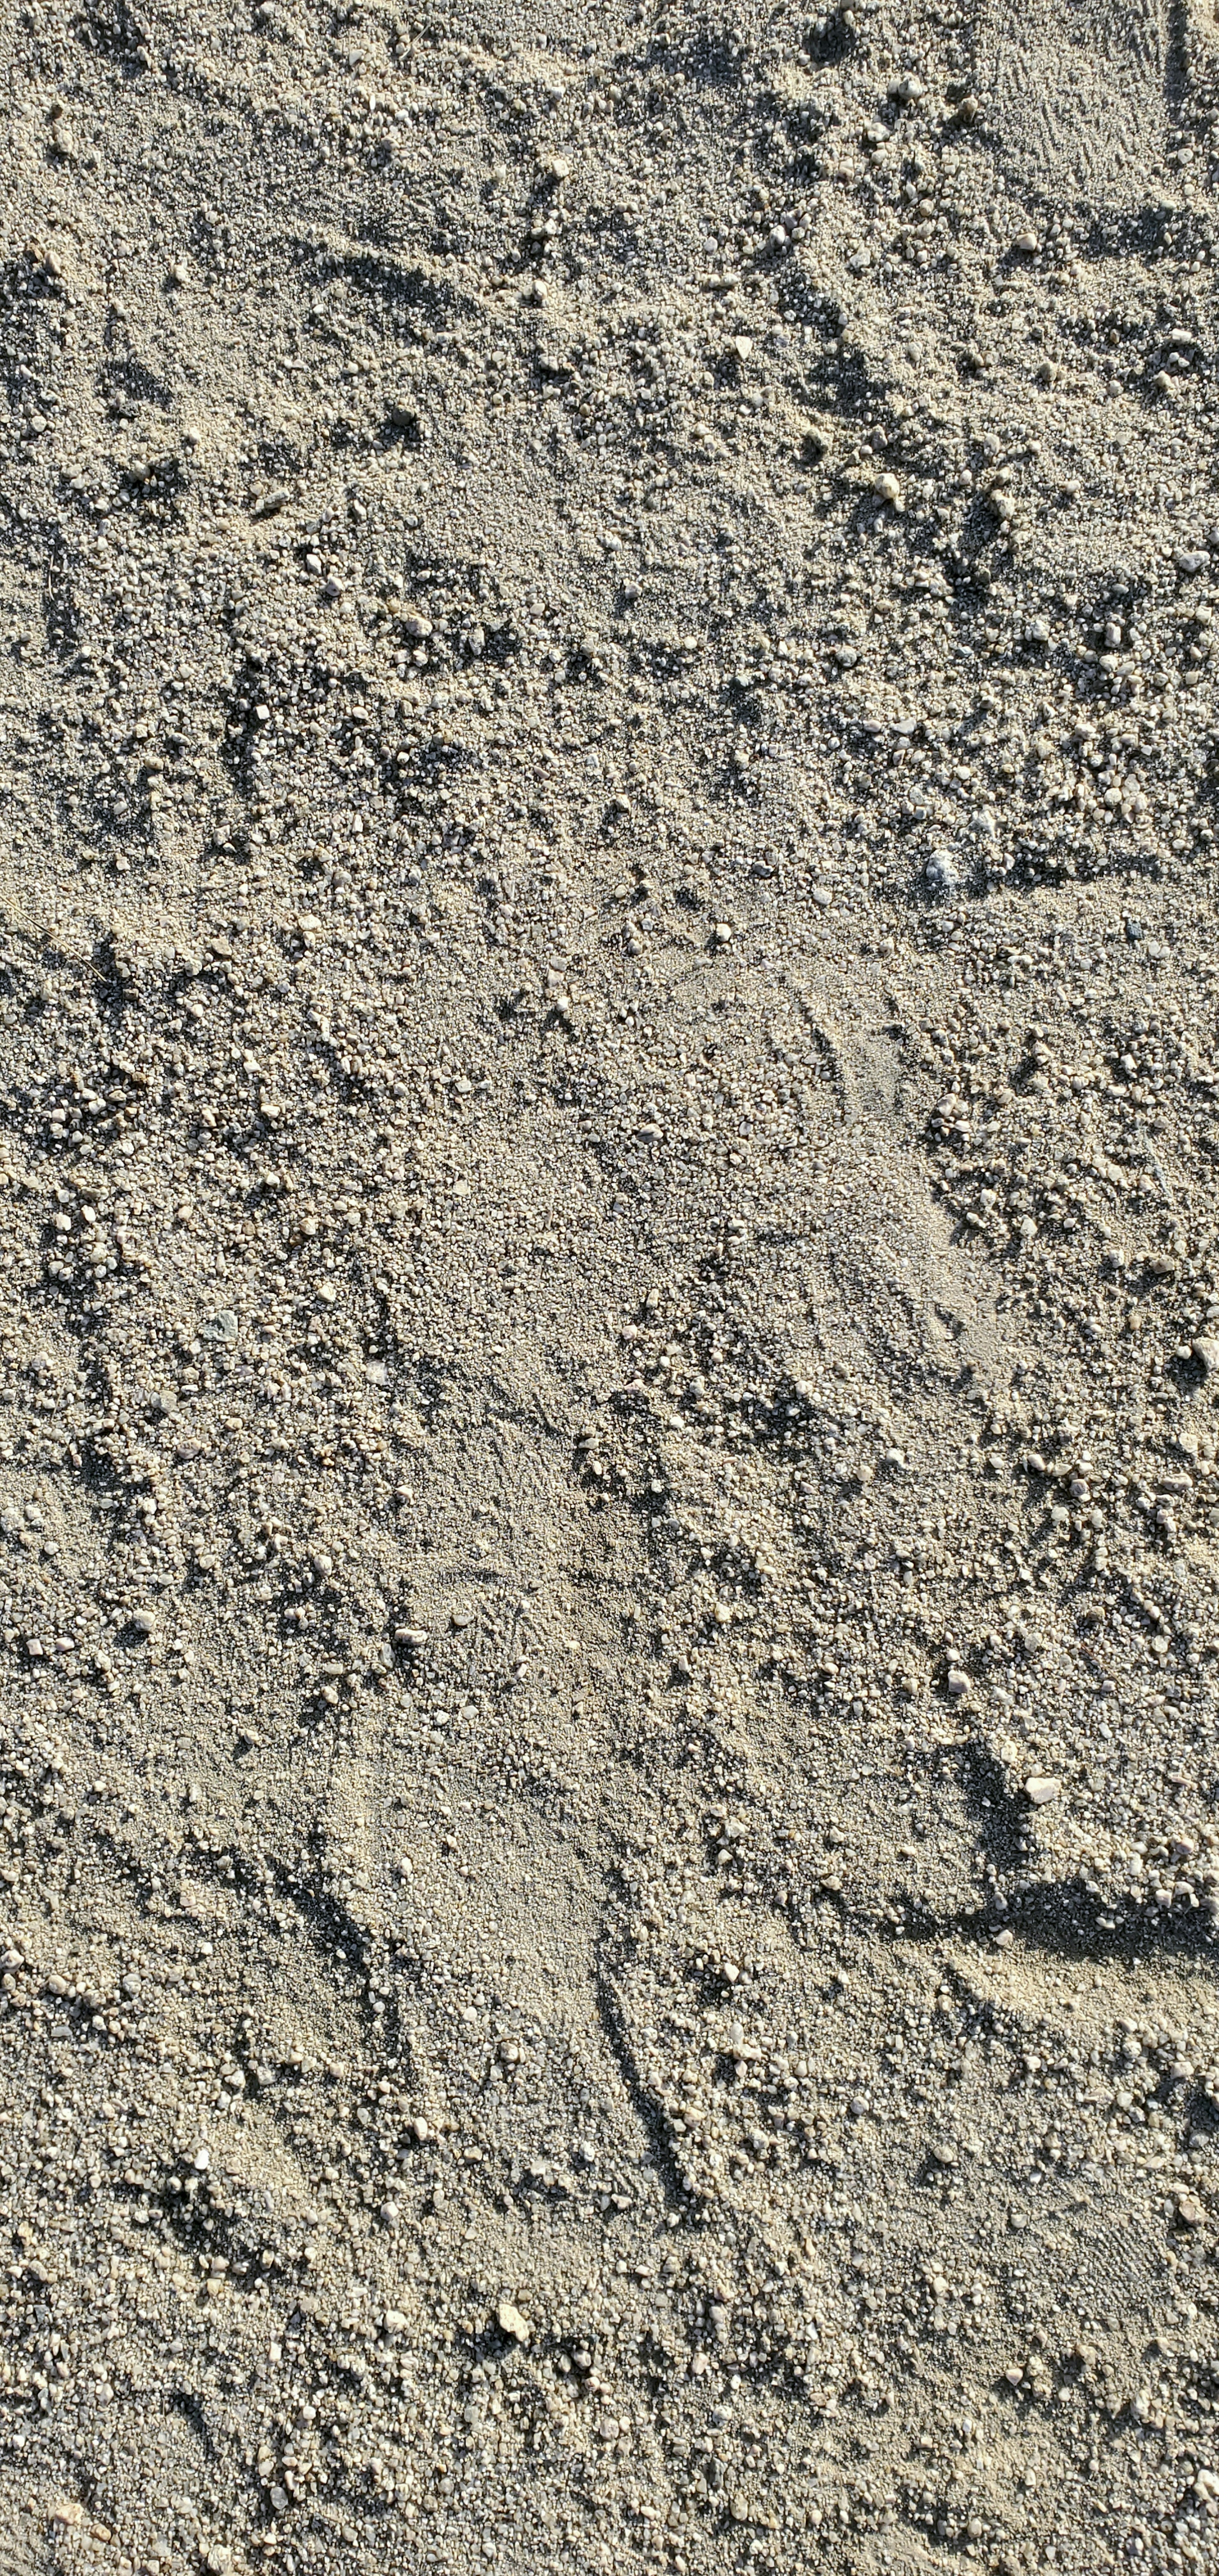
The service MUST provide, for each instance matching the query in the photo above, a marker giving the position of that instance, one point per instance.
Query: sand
(609, 1864)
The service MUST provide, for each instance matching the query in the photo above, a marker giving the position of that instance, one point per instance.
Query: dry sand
(610, 1232)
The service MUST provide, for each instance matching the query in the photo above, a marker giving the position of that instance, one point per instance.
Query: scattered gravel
(608, 1850)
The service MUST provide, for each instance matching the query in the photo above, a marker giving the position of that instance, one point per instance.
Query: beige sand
(609, 1859)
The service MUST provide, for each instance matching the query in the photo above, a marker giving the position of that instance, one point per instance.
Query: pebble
(942, 873)
(1040, 1790)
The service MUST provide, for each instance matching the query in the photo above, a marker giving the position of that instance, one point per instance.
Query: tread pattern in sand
(1075, 91)
(17, 2556)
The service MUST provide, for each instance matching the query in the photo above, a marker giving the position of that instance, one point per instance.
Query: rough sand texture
(1078, 97)
(608, 1023)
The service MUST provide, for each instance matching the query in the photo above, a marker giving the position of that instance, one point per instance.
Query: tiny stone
(941, 872)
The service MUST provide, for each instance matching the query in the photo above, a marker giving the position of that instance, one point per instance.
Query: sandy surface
(608, 1151)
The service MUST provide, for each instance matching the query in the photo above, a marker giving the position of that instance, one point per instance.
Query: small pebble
(1041, 1791)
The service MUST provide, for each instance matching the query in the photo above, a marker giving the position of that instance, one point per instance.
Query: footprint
(17, 2555)
(1076, 95)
